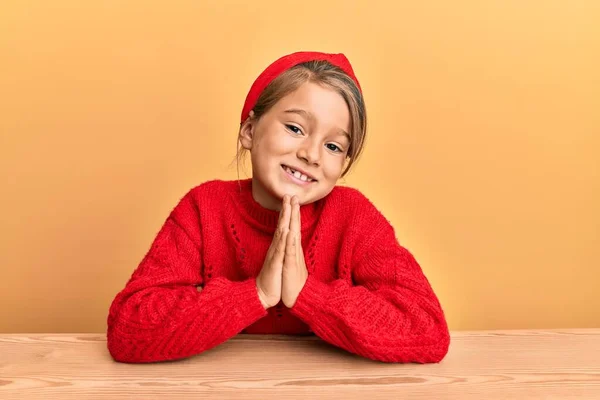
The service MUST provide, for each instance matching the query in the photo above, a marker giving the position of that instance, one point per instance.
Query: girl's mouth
(296, 176)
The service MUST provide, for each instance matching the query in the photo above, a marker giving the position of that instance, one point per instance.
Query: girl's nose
(309, 152)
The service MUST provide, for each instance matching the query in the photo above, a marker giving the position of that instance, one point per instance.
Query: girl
(286, 251)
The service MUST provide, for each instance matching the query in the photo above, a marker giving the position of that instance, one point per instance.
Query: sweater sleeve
(160, 315)
(389, 314)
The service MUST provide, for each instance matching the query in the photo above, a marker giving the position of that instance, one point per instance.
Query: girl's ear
(246, 134)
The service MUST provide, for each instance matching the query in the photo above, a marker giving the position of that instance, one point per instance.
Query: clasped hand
(284, 271)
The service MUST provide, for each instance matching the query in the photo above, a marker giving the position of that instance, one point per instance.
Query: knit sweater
(365, 293)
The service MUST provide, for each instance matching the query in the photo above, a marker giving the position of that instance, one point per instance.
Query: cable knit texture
(365, 292)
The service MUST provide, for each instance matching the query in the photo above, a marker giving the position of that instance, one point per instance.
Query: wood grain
(557, 364)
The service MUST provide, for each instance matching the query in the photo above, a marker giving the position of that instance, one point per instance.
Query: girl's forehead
(309, 90)
(315, 99)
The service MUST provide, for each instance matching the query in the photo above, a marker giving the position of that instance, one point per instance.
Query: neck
(260, 195)
(267, 218)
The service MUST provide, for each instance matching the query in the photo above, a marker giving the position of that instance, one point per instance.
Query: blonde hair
(325, 74)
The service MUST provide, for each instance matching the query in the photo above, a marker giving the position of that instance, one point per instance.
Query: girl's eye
(294, 128)
(335, 147)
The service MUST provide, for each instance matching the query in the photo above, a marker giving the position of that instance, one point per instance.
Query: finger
(287, 211)
(274, 244)
(295, 218)
(290, 246)
(291, 237)
(284, 201)
(279, 236)
(279, 254)
(281, 225)
(282, 208)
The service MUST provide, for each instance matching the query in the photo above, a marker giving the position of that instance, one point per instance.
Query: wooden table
(557, 364)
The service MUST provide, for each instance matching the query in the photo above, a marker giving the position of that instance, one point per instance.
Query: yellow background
(483, 147)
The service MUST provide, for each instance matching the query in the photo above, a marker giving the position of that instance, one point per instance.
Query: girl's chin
(290, 192)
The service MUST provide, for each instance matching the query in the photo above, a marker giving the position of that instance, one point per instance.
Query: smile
(297, 176)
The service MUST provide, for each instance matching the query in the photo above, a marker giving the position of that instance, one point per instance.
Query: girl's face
(306, 131)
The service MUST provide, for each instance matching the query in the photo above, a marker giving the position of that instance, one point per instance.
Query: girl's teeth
(298, 174)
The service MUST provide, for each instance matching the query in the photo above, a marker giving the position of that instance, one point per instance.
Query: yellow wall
(483, 152)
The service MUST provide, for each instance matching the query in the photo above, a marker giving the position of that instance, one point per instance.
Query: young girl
(286, 251)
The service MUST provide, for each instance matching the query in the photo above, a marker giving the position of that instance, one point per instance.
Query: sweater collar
(266, 219)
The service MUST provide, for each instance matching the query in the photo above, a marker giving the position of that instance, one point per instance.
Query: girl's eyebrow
(309, 116)
(300, 112)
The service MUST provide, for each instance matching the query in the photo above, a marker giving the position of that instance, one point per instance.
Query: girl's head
(305, 112)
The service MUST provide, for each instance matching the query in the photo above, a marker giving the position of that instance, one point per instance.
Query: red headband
(289, 61)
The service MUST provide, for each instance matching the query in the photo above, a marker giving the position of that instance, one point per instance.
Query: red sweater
(365, 293)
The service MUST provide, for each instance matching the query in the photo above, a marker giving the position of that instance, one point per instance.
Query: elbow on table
(434, 351)
(121, 349)
(438, 350)
(128, 349)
